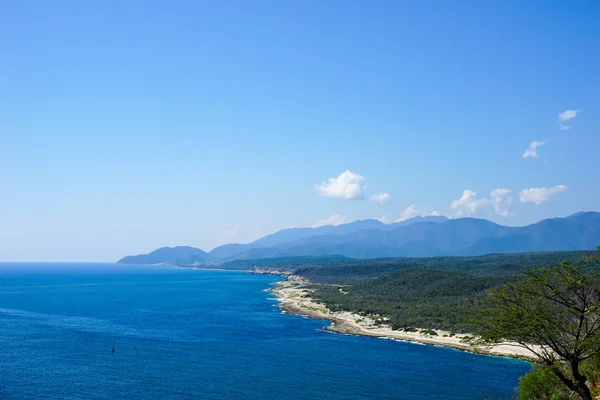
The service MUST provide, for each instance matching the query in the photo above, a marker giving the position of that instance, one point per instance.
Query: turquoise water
(183, 334)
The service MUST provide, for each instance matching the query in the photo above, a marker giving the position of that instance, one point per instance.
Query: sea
(183, 333)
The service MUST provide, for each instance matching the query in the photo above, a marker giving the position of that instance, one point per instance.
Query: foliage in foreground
(541, 384)
(555, 313)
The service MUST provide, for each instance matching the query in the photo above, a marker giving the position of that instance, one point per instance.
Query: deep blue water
(183, 334)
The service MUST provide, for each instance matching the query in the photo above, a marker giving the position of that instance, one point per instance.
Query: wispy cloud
(531, 151)
(568, 114)
(540, 195)
(416, 211)
(335, 219)
(347, 185)
(380, 198)
(469, 203)
(564, 127)
(502, 199)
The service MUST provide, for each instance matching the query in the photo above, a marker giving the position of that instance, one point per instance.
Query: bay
(185, 334)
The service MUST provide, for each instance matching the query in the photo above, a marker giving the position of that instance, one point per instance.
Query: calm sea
(191, 334)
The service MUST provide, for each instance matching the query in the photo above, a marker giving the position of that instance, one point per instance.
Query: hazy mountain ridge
(169, 255)
(417, 237)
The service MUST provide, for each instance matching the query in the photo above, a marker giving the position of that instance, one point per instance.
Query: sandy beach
(295, 298)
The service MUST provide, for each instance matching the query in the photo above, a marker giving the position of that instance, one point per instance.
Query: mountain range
(416, 237)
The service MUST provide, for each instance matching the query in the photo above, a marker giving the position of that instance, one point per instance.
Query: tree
(555, 313)
(540, 384)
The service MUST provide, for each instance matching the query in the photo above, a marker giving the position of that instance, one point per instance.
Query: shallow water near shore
(183, 333)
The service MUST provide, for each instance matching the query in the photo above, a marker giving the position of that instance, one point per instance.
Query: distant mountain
(228, 250)
(414, 220)
(169, 255)
(579, 231)
(293, 234)
(457, 237)
(416, 237)
(290, 235)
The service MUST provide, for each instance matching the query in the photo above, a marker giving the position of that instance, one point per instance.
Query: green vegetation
(414, 297)
(428, 293)
(531, 298)
(351, 270)
(339, 269)
(282, 263)
(555, 313)
(541, 384)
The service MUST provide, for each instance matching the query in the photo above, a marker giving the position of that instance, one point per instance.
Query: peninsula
(295, 297)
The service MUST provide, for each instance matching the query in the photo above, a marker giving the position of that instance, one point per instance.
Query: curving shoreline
(295, 298)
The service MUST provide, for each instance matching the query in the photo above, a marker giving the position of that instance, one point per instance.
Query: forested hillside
(437, 293)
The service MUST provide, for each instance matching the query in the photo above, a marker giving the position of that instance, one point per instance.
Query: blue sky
(130, 125)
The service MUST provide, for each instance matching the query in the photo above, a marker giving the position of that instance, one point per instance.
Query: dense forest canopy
(432, 292)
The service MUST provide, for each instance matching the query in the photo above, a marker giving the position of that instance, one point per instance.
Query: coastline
(295, 298)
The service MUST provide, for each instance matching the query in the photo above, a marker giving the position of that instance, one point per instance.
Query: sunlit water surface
(183, 334)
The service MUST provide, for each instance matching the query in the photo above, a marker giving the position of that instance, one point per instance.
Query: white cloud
(567, 115)
(502, 199)
(383, 219)
(564, 127)
(380, 198)
(416, 211)
(469, 203)
(347, 185)
(540, 195)
(335, 219)
(532, 149)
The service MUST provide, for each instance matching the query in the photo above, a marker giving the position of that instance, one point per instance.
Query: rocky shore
(295, 298)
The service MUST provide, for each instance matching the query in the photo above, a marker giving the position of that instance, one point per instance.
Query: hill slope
(418, 237)
(437, 293)
(169, 255)
(458, 237)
